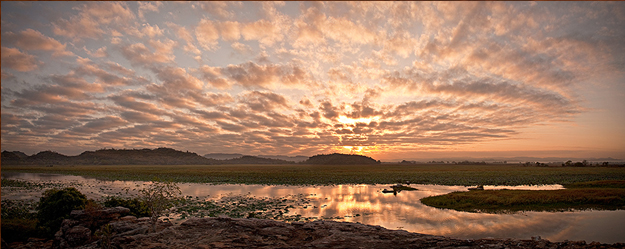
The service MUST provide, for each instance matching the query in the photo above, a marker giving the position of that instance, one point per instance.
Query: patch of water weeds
(244, 206)
(231, 205)
(30, 185)
(24, 209)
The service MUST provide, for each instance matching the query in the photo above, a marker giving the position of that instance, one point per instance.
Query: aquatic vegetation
(597, 184)
(602, 195)
(18, 209)
(467, 175)
(245, 206)
(29, 184)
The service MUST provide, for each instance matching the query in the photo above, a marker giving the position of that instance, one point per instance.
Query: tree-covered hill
(340, 159)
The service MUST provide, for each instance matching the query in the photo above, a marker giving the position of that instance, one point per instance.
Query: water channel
(367, 204)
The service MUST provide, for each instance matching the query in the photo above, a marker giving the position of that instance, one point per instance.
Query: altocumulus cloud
(299, 77)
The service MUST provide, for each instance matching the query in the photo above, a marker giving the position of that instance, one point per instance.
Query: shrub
(56, 205)
(158, 197)
(137, 206)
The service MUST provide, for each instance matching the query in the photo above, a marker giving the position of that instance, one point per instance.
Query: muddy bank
(130, 232)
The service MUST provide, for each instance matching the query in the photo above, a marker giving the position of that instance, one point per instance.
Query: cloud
(265, 32)
(264, 101)
(148, 7)
(217, 9)
(273, 76)
(185, 35)
(151, 31)
(207, 34)
(346, 31)
(30, 39)
(15, 59)
(213, 75)
(250, 74)
(92, 16)
(98, 125)
(99, 53)
(138, 54)
(89, 68)
(241, 48)
(177, 78)
(126, 100)
(229, 30)
(138, 117)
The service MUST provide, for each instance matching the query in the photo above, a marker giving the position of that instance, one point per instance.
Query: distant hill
(255, 160)
(13, 155)
(340, 159)
(223, 156)
(286, 158)
(227, 156)
(160, 156)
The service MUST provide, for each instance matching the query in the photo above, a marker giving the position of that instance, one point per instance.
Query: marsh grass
(601, 195)
(467, 175)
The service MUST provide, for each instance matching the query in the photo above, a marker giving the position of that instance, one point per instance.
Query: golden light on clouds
(386, 79)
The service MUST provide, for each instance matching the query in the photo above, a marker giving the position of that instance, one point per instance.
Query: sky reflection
(368, 205)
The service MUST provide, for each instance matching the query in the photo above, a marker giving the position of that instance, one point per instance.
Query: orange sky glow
(390, 80)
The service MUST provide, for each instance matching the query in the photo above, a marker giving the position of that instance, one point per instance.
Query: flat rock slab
(256, 233)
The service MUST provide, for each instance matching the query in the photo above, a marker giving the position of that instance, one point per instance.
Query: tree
(56, 205)
(158, 197)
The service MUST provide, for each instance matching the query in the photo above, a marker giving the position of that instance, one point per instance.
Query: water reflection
(368, 205)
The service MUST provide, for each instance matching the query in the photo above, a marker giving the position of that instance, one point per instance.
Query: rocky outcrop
(130, 232)
(80, 228)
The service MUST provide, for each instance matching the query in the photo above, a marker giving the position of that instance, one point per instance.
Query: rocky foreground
(130, 232)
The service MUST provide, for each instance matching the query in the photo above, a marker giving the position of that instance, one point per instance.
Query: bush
(56, 205)
(158, 197)
(137, 207)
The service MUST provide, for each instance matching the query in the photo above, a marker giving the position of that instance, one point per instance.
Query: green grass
(466, 175)
(602, 195)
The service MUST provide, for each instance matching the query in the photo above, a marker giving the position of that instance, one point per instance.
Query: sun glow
(353, 121)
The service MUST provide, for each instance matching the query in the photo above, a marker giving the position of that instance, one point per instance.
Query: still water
(368, 205)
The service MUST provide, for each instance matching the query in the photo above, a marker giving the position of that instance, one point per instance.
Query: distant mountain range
(160, 156)
(167, 156)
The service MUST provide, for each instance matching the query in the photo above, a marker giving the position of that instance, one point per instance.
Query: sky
(384, 79)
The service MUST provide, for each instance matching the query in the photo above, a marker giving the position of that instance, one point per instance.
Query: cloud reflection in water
(368, 205)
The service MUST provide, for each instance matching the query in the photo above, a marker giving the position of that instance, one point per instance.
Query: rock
(77, 230)
(256, 233)
(128, 218)
(77, 235)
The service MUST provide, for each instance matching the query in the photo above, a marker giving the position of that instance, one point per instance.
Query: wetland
(352, 195)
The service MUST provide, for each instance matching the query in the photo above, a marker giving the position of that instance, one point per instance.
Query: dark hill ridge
(13, 155)
(164, 156)
(223, 156)
(228, 156)
(255, 160)
(340, 159)
(160, 156)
